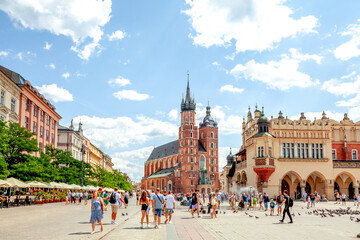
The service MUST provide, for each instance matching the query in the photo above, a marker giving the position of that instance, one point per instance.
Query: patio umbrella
(17, 183)
(36, 184)
(4, 183)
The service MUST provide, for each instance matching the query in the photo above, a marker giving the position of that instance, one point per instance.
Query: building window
(191, 135)
(41, 115)
(260, 151)
(35, 110)
(316, 151)
(13, 104)
(191, 127)
(52, 123)
(52, 138)
(47, 120)
(34, 127)
(212, 135)
(41, 131)
(27, 105)
(47, 135)
(40, 146)
(333, 152)
(211, 145)
(354, 154)
(27, 122)
(288, 150)
(2, 97)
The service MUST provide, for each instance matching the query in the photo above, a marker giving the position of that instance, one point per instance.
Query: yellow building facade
(296, 155)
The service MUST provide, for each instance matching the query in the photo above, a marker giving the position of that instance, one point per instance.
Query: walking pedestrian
(126, 198)
(288, 203)
(106, 199)
(195, 202)
(343, 199)
(73, 197)
(77, 197)
(358, 200)
(86, 195)
(169, 206)
(279, 200)
(158, 200)
(266, 201)
(145, 204)
(97, 211)
(115, 198)
(214, 204)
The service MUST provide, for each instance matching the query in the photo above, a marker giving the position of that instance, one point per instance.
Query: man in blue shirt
(158, 200)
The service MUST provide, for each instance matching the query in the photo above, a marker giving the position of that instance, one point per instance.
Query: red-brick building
(189, 163)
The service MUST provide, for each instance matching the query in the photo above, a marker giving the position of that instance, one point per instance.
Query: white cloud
(318, 115)
(231, 88)
(65, 75)
(131, 95)
(47, 46)
(121, 81)
(57, 94)
(132, 162)
(231, 124)
(282, 74)
(350, 48)
(25, 56)
(121, 132)
(3, 53)
(353, 73)
(78, 19)
(215, 63)
(117, 35)
(251, 24)
(173, 115)
(340, 88)
(52, 66)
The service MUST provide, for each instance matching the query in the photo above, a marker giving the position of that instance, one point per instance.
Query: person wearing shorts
(195, 203)
(158, 201)
(115, 206)
(169, 206)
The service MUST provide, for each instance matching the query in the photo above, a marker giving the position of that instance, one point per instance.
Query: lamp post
(82, 165)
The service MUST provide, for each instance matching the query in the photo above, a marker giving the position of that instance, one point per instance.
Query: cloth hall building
(190, 162)
(297, 155)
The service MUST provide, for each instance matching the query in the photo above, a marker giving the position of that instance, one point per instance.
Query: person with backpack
(195, 202)
(158, 201)
(115, 198)
(288, 202)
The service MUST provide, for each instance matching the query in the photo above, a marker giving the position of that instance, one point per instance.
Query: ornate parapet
(241, 165)
(346, 163)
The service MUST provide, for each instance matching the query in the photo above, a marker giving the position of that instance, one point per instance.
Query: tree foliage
(16, 145)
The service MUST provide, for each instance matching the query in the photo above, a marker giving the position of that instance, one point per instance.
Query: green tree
(15, 143)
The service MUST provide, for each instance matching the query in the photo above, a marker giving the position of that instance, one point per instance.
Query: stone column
(356, 190)
(329, 189)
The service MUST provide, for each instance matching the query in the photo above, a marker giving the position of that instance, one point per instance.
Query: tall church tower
(188, 143)
(209, 139)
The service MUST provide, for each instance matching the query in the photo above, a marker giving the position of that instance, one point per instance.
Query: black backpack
(194, 199)
(291, 202)
(113, 198)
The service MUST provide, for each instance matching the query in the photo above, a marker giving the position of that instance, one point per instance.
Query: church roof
(169, 149)
(208, 121)
(162, 173)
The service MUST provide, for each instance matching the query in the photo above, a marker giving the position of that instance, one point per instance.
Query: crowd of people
(161, 204)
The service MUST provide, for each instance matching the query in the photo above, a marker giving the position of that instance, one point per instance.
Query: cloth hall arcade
(298, 155)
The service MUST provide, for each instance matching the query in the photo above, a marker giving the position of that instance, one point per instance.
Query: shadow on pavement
(80, 233)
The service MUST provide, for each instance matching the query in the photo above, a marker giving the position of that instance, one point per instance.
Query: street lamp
(82, 165)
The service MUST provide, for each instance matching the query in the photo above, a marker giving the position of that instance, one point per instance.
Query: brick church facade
(189, 163)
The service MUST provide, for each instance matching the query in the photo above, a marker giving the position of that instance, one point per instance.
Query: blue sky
(120, 66)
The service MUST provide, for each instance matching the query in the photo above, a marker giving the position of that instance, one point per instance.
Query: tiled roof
(169, 149)
(162, 173)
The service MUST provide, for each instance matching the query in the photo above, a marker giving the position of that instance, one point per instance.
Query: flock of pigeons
(317, 212)
(336, 212)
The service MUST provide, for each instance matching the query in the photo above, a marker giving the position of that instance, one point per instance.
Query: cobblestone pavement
(57, 221)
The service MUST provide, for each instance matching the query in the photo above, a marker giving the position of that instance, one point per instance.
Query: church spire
(188, 104)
